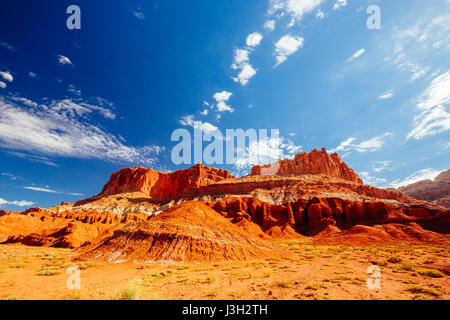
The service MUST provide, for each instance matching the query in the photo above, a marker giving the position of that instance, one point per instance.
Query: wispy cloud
(47, 190)
(205, 127)
(33, 158)
(296, 9)
(370, 145)
(287, 46)
(9, 47)
(387, 95)
(269, 25)
(339, 3)
(64, 128)
(64, 60)
(139, 13)
(420, 175)
(265, 151)
(9, 175)
(417, 45)
(41, 189)
(433, 117)
(21, 203)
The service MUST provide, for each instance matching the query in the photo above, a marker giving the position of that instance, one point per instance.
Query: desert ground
(311, 271)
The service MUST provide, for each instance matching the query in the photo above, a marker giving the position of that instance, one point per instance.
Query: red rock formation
(160, 185)
(315, 162)
(436, 191)
(189, 232)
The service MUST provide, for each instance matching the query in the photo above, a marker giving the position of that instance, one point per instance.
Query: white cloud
(247, 72)
(63, 128)
(240, 57)
(417, 44)
(222, 99)
(40, 189)
(33, 158)
(320, 14)
(433, 117)
(72, 89)
(204, 112)
(205, 127)
(286, 46)
(269, 25)
(266, 151)
(387, 95)
(25, 101)
(8, 46)
(64, 60)
(295, 8)
(51, 191)
(241, 62)
(9, 175)
(254, 39)
(2, 85)
(381, 166)
(420, 175)
(370, 145)
(21, 203)
(372, 180)
(6, 76)
(139, 13)
(339, 3)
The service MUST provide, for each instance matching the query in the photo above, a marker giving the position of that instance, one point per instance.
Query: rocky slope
(188, 232)
(202, 213)
(436, 191)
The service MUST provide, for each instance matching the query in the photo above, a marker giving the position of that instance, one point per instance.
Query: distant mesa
(436, 191)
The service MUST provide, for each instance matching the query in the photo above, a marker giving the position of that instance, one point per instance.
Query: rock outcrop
(315, 162)
(160, 185)
(202, 213)
(435, 191)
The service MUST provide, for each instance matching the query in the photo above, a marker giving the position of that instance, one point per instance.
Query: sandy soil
(311, 271)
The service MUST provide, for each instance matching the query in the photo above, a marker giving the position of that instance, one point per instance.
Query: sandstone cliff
(160, 185)
(315, 162)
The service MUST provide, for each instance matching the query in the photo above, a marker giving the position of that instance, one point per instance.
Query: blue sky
(76, 105)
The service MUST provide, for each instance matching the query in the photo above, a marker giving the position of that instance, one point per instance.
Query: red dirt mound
(191, 231)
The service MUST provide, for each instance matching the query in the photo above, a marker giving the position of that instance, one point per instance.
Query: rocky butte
(315, 162)
(436, 191)
(206, 214)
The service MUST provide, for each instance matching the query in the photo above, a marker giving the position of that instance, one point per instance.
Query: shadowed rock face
(315, 162)
(435, 191)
